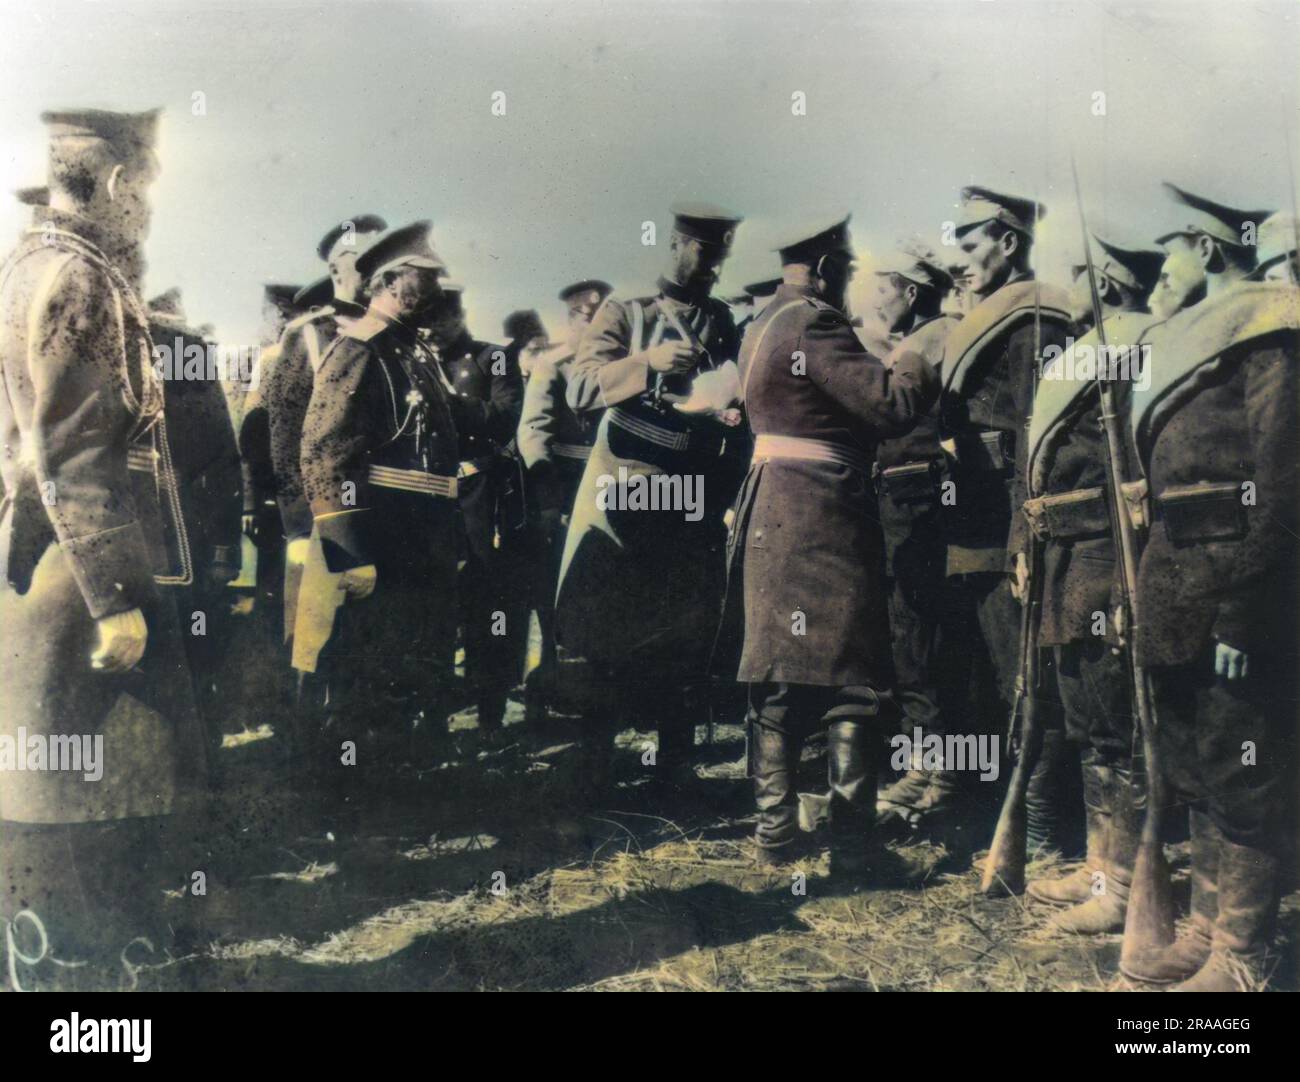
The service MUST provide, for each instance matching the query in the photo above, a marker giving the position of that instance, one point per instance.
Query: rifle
(1149, 924)
(1004, 868)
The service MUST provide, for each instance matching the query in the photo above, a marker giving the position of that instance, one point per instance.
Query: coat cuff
(623, 379)
(112, 568)
(1232, 626)
(342, 538)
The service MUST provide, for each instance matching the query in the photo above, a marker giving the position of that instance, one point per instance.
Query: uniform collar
(679, 293)
(128, 257)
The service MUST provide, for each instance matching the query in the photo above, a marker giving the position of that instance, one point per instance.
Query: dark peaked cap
(980, 205)
(1137, 268)
(35, 196)
(809, 244)
(362, 223)
(1217, 220)
(405, 247)
(314, 294)
(580, 292)
(127, 131)
(705, 222)
(765, 288)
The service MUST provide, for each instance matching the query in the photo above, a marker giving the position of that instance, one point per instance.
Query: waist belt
(579, 451)
(648, 430)
(991, 451)
(911, 482)
(1069, 516)
(141, 459)
(429, 484)
(769, 446)
(1206, 511)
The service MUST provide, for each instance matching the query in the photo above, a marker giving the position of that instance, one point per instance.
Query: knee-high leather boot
(851, 767)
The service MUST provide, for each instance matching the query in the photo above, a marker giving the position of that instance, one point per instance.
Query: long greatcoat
(82, 536)
(806, 554)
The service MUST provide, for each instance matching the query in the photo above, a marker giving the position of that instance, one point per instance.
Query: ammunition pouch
(1069, 516)
(911, 483)
(992, 451)
(1202, 512)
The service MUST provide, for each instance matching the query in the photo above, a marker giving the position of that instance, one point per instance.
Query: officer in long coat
(1068, 488)
(991, 361)
(911, 287)
(555, 443)
(379, 456)
(91, 659)
(1216, 433)
(641, 585)
(806, 559)
(489, 393)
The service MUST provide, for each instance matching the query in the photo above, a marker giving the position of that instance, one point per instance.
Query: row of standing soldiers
(682, 549)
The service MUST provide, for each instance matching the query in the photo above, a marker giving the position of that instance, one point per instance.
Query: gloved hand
(122, 639)
(296, 553)
(359, 582)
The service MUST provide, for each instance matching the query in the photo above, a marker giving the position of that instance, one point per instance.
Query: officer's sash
(1183, 347)
(1067, 379)
(992, 318)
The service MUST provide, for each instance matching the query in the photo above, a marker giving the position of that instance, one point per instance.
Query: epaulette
(364, 329)
(309, 317)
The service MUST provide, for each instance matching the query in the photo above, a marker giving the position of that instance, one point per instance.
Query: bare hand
(359, 582)
(1229, 662)
(122, 639)
(1020, 581)
(675, 356)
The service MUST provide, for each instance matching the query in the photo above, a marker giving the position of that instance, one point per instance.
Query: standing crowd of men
(836, 534)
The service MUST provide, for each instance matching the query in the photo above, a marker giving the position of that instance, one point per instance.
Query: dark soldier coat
(82, 534)
(805, 540)
(1067, 453)
(379, 455)
(640, 591)
(1221, 414)
(990, 363)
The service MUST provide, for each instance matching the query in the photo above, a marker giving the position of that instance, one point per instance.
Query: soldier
(525, 339)
(991, 359)
(379, 455)
(911, 288)
(1276, 253)
(489, 393)
(90, 652)
(747, 307)
(1068, 506)
(806, 555)
(1216, 432)
(641, 583)
(207, 464)
(555, 444)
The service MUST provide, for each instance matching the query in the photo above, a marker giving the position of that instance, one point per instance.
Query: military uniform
(991, 360)
(806, 556)
(554, 443)
(640, 590)
(82, 536)
(488, 398)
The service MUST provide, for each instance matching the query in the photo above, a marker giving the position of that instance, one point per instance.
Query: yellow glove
(359, 582)
(122, 639)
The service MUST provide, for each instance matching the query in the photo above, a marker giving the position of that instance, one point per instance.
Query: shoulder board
(309, 317)
(364, 329)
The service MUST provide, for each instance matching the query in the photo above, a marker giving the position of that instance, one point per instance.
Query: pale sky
(319, 111)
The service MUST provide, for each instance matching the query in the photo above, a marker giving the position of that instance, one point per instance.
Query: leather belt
(580, 451)
(1069, 516)
(429, 484)
(771, 446)
(648, 430)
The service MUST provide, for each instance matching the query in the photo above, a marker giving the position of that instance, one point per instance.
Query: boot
(1243, 933)
(1076, 888)
(901, 798)
(1104, 910)
(1048, 821)
(774, 762)
(852, 776)
(1191, 949)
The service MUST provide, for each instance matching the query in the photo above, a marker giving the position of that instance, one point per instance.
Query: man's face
(1284, 270)
(445, 319)
(127, 212)
(414, 289)
(697, 265)
(1081, 297)
(1182, 277)
(580, 316)
(988, 258)
(836, 272)
(343, 267)
(894, 301)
